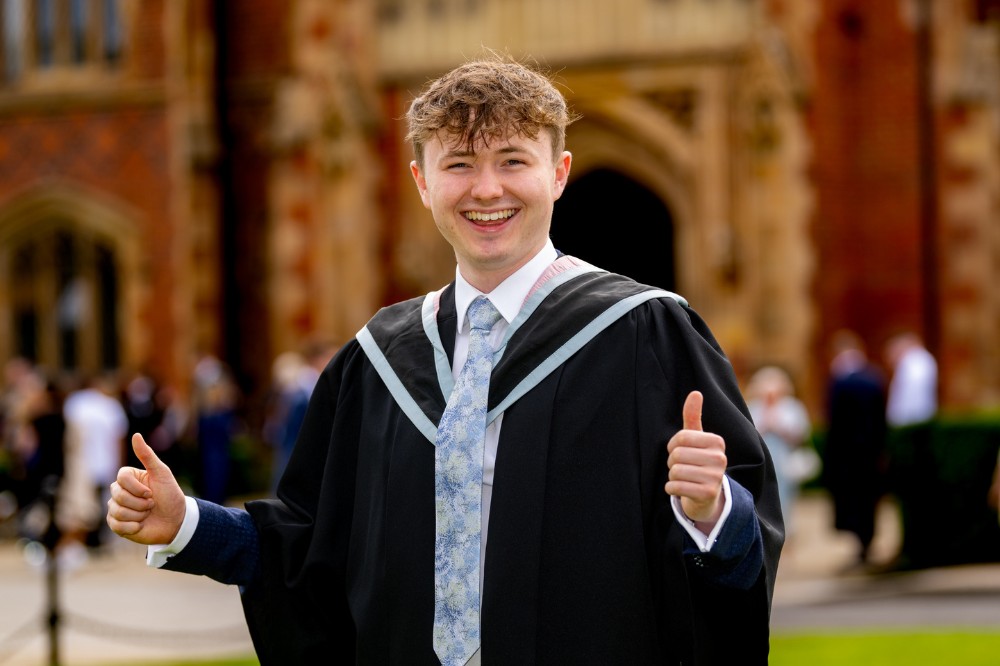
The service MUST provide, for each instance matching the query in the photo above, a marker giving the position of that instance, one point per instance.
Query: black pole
(927, 156)
(50, 493)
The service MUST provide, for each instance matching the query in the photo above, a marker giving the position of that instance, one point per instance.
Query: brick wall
(119, 154)
(864, 118)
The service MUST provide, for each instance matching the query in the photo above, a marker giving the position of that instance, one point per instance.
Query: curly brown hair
(488, 99)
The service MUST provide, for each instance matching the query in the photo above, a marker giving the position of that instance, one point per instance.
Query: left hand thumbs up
(697, 463)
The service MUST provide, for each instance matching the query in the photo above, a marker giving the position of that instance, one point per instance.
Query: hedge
(940, 473)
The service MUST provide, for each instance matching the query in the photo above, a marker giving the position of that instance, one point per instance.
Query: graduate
(540, 463)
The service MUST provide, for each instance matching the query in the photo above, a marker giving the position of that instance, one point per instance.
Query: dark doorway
(613, 222)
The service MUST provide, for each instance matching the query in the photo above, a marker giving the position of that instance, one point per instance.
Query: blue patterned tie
(458, 482)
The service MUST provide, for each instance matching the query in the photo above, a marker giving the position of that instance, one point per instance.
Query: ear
(421, 181)
(562, 173)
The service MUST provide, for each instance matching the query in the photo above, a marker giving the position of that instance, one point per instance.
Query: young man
(622, 505)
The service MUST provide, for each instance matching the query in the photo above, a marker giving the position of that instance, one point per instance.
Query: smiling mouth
(495, 216)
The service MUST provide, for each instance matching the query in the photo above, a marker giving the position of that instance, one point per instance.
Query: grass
(833, 649)
(886, 649)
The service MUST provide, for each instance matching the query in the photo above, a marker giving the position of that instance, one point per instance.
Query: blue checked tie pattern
(458, 482)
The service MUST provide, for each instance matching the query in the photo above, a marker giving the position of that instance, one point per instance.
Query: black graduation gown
(585, 562)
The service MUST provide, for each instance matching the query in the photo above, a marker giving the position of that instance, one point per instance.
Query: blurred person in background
(157, 412)
(854, 466)
(20, 377)
(293, 377)
(215, 424)
(914, 386)
(44, 447)
(96, 429)
(21, 383)
(291, 388)
(175, 417)
(144, 414)
(783, 421)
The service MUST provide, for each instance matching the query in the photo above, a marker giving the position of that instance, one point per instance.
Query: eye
(458, 165)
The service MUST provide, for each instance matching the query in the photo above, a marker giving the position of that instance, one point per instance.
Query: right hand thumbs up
(696, 463)
(147, 505)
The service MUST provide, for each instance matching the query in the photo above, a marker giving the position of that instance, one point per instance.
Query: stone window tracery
(41, 36)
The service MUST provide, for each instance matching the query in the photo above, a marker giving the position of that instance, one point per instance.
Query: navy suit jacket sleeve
(737, 555)
(225, 547)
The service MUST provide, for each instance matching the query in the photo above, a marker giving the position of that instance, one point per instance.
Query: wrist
(705, 518)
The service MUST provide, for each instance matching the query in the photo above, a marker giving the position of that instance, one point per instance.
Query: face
(492, 204)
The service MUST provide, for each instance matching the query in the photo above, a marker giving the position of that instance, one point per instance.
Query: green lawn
(886, 649)
(832, 649)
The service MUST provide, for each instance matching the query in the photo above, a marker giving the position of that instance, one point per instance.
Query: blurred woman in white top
(783, 422)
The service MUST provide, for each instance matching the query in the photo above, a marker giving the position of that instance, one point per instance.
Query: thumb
(692, 411)
(145, 454)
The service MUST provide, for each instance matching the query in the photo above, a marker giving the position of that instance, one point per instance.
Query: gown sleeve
(732, 584)
(297, 609)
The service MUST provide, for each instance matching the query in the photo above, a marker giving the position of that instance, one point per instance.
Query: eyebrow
(506, 150)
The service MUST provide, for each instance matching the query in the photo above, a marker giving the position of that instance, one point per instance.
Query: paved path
(817, 590)
(119, 612)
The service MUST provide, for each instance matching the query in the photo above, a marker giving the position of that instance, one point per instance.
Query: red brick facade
(863, 114)
(187, 133)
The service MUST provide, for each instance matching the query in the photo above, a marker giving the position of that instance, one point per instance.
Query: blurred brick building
(180, 176)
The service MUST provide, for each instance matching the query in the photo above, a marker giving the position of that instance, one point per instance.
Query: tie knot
(482, 314)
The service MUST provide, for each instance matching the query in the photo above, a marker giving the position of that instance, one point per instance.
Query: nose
(487, 185)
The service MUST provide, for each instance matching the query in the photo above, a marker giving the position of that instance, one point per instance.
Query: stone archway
(68, 280)
(608, 219)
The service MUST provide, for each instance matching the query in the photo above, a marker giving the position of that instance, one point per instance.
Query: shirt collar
(509, 295)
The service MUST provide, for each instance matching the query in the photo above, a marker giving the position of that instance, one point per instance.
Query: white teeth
(491, 217)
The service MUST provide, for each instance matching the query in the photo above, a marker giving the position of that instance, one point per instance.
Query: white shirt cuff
(157, 556)
(703, 541)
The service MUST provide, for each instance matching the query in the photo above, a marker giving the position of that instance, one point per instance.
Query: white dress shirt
(913, 389)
